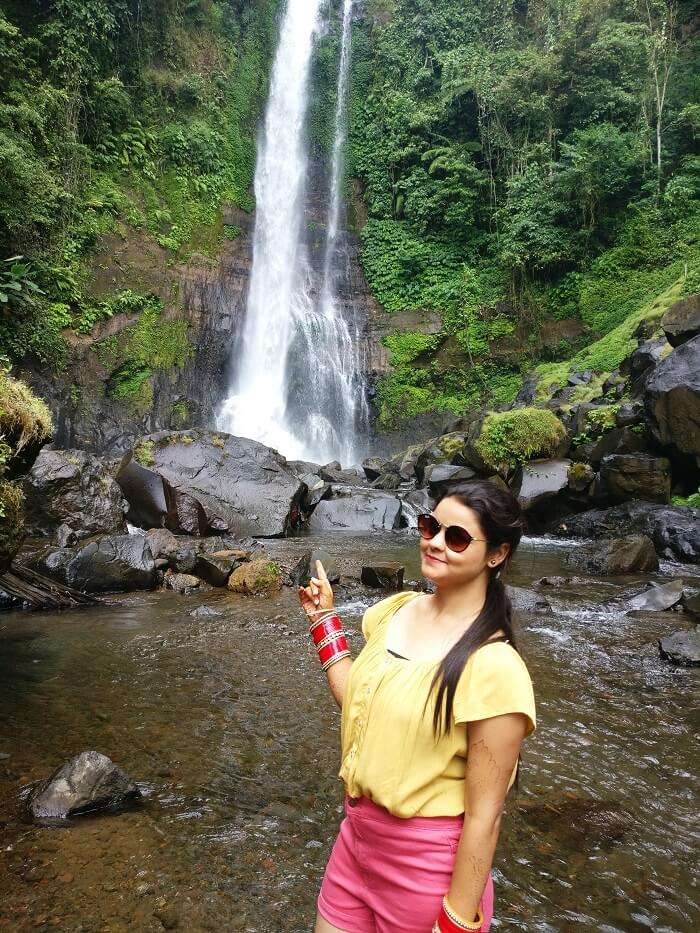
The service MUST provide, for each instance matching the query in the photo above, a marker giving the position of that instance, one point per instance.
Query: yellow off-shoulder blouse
(388, 748)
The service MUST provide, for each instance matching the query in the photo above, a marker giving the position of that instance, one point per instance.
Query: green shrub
(511, 438)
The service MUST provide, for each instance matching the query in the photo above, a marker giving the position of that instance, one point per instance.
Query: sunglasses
(456, 538)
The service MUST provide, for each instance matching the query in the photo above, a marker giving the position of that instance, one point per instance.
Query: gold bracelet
(464, 924)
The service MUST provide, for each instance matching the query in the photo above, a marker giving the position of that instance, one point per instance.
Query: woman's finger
(321, 571)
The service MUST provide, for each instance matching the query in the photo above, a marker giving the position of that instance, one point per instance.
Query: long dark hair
(502, 522)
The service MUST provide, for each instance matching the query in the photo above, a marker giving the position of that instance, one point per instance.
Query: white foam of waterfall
(299, 384)
(279, 294)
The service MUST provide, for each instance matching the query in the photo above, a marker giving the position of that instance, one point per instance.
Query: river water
(229, 728)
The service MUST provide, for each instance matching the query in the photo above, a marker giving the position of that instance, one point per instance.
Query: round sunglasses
(456, 538)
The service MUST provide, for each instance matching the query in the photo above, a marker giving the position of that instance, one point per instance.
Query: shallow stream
(228, 726)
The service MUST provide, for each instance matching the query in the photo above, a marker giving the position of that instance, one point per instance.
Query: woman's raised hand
(317, 597)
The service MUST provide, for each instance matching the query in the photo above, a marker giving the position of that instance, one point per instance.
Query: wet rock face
(74, 489)
(634, 476)
(540, 480)
(387, 576)
(658, 598)
(672, 399)
(86, 783)
(205, 482)
(615, 556)
(675, 530)
(362, 510)
(682, 647)
(111, 564)
(682, 320)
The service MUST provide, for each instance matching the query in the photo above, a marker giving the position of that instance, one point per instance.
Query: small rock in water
(682, 647)
(388, 576)
(306, 567)
(527, 600)
(658, 598)
(261, 577)
(205, 612)
(88, 782)
(181, 582)
(632, 554)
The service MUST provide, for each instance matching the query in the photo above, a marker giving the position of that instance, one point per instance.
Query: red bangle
(327, 627)
(335, 647)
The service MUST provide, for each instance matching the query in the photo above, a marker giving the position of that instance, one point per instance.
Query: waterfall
(298, 378)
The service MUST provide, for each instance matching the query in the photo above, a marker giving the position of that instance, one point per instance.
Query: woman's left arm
(493, 748)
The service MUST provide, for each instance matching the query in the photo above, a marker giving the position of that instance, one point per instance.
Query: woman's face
(443, 566)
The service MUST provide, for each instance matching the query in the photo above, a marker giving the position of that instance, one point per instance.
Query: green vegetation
(692, 501)
(118, 119)
(518, 169)
(24, 418)
(510, 438)
(144, 453)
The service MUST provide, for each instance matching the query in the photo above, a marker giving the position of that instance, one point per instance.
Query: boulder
(691, 604)
(658, 597)
(113, 563)
(181, 582)
(633, 476)
(217, 567)
(214, 482)
(387, 481)
(441, 476)
(633, 554)
(539, 480)
(387, 576)
(333, 474)
(363, 510)
(163, 543)
(75, 489)
(317, 489)
(525, 600)
(647, 354)
(682, 647)
(373, 467)
(88, 782)
(672, 399)
(306, 567)
(259, 577)
(580, 477)
(629, 413)
(682, 320)
(675, 530)
(616, 441)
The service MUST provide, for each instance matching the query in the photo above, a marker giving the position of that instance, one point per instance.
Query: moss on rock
(510, 438)
(261, 577)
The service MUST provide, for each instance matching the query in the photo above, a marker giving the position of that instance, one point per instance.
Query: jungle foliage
(117, 116)
(520, 163)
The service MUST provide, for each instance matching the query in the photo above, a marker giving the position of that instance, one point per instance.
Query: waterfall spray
(298, 378)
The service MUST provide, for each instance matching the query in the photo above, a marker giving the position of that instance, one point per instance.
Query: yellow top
(388, 749)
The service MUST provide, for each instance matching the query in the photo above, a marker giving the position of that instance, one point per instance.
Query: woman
(438, 674)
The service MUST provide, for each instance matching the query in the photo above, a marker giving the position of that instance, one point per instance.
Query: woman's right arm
(317, 598)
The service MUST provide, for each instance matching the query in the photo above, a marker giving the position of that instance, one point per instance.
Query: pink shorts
(387, 874)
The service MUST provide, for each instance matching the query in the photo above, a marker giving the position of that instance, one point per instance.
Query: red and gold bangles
(329, 638)
(450, 922)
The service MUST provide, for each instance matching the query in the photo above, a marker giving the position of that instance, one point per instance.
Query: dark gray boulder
(217, 567)
(88, 782)
(334, 474)
(633, 554)
(658, 597)
(682, 647)
(373, 467)
(672, 399)
(115, 563)
(539, 480)
(317, 489)
(439, 477)
(629, 413)
(675, 530)
(74, 489)
(615, 441)
(682, 320)
(386, 576)
(362, 510)
(214, 482)
(305, 568)
(633, 476)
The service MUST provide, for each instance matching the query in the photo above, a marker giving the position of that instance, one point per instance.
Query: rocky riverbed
(213, 703)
